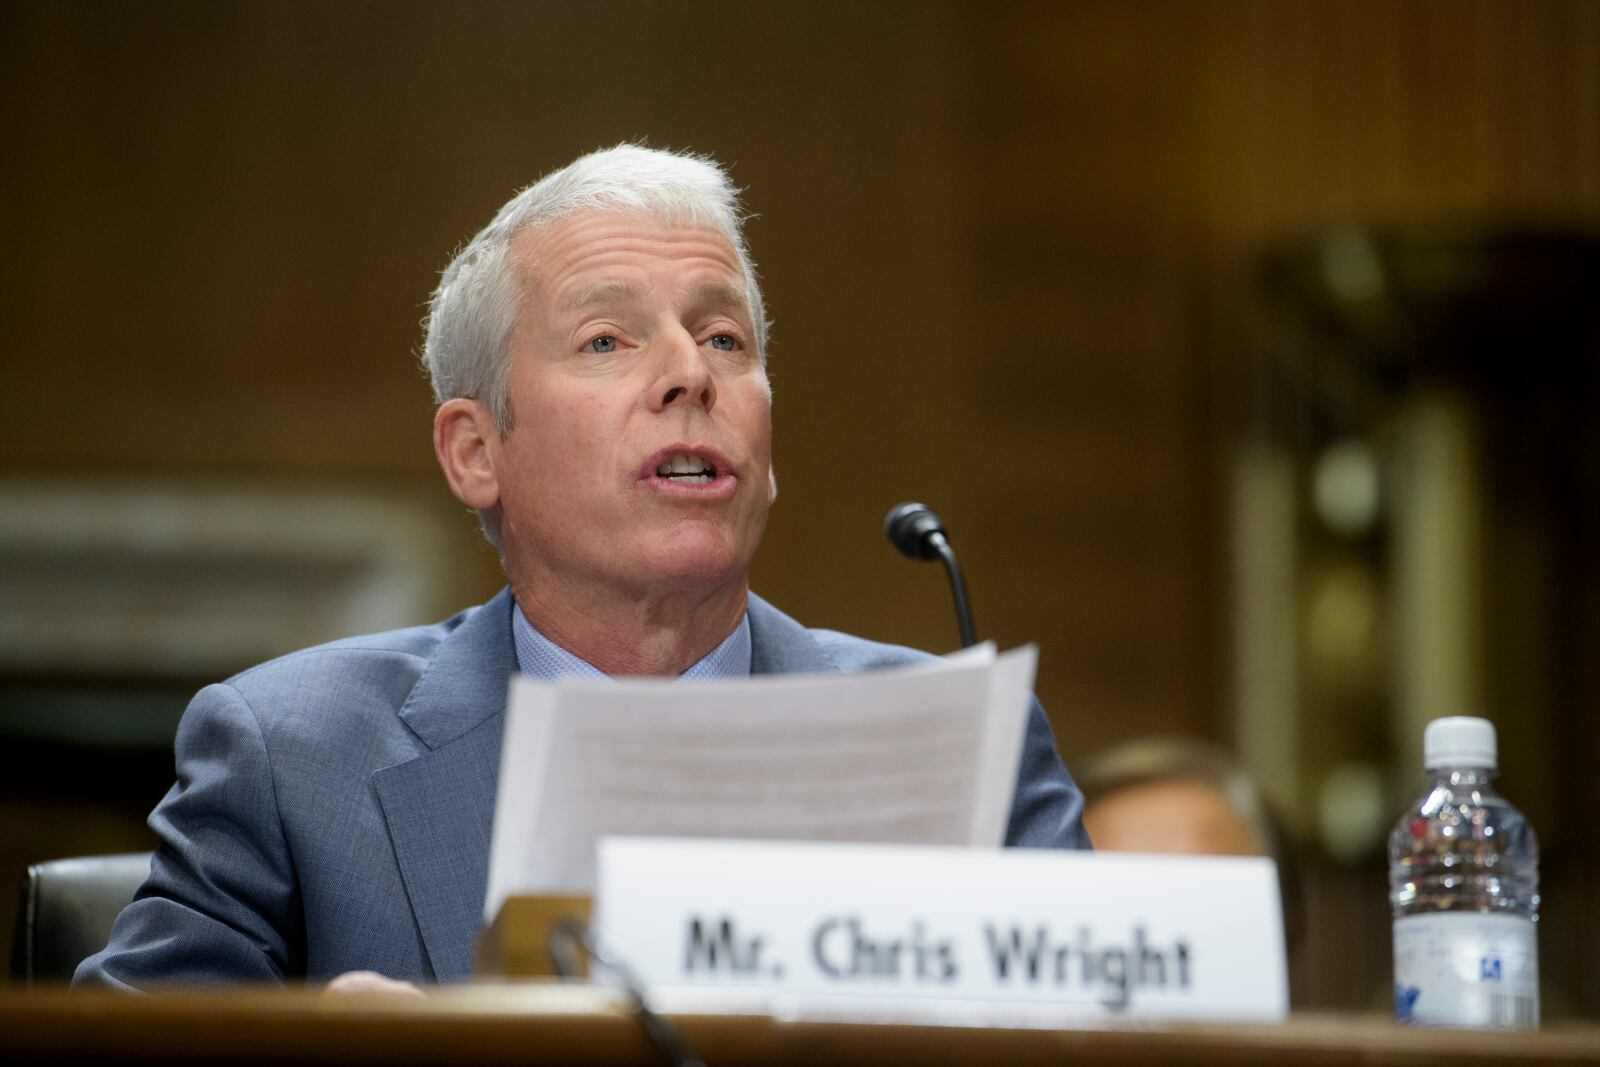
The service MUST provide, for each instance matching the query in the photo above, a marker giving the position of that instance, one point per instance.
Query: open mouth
(687, 469)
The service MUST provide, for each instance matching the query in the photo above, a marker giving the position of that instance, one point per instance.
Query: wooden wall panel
(1319, 113)
(1085, 383)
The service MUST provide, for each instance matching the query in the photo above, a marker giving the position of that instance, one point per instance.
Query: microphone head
(910, 528)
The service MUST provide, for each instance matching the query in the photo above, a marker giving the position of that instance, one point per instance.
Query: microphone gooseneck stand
(918, 533)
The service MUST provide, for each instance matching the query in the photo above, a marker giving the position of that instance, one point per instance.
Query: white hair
(472, 312)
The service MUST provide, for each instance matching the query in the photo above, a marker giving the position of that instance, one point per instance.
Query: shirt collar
(541, 658)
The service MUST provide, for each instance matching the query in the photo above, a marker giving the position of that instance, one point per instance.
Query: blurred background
(1247, 348)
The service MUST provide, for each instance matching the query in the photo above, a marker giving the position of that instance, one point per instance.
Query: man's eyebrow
(720, 294)
(609, 292)
(713, 295)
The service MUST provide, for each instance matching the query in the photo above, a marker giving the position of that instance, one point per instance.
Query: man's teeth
(689, 470)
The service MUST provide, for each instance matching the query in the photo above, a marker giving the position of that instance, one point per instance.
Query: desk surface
(527, 1024)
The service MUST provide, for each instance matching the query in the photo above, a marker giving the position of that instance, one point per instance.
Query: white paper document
(916, 755)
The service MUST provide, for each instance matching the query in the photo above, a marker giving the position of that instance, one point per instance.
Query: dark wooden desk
(541, 1024)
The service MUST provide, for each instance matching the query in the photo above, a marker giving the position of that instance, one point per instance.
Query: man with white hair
(598, 354)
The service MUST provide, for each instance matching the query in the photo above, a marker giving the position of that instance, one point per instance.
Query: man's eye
(602, 345)
(724, 342)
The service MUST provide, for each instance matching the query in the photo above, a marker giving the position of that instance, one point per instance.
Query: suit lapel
(440, 806)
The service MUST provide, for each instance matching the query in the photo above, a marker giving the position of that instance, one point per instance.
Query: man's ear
(462, 430)
(772, 486)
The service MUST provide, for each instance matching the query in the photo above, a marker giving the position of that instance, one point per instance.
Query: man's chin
(698, 559)
(700, 572)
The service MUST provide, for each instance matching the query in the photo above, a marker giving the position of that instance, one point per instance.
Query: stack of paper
(918, 755)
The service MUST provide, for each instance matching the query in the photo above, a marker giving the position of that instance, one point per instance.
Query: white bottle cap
(1459, 741)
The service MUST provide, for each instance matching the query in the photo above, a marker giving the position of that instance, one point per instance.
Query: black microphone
(918, 533)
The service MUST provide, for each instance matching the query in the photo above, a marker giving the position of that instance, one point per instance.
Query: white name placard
(1084, 934)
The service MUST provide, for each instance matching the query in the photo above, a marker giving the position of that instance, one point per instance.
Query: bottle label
(1465, 968)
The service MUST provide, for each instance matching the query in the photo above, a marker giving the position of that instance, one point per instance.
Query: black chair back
(66, 912)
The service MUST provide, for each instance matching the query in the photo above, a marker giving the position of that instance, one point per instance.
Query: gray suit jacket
(333, 807)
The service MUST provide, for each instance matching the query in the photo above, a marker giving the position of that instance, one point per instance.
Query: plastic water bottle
(1464, 886)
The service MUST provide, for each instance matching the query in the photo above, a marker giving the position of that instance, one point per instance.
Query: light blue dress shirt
(541, 658)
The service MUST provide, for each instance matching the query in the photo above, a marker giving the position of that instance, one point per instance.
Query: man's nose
(685, 376)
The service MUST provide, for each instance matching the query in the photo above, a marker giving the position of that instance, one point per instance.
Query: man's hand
(371, 982)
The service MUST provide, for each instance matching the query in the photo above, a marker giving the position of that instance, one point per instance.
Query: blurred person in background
(1179, 796)
(1173, 795)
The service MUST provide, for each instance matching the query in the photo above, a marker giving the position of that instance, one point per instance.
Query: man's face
(640, 456)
